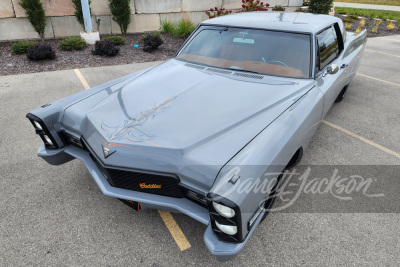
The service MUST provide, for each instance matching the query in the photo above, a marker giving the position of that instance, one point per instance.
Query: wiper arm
(194, 62)
(243, 70)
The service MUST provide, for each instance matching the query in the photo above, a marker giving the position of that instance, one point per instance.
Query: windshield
(260, 51)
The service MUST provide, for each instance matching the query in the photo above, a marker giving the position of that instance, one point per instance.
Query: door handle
(343, 66)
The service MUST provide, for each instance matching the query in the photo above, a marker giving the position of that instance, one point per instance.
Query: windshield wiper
(194, 62)
(207, 65)
(243, 70)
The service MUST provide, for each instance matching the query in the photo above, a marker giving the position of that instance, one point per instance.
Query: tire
(341, 94)
(271, 199)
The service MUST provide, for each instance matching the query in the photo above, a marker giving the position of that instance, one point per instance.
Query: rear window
(260, 51)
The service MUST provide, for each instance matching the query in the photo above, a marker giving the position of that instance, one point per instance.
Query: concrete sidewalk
(365, 6)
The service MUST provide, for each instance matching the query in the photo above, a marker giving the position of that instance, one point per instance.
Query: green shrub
(353, 17)
(167, 27)
(78, 11)
(21, 47)
(35, 14)
(320, 6)
(348, 20)
(142, 38)
(121, 13)
(72, 43)
(371, 13)
(118, 40)
(154, 34)
(184, 28)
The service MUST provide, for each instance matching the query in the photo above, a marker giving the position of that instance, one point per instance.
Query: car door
(328, 50)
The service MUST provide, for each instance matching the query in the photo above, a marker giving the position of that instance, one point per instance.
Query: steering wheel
(279, 62)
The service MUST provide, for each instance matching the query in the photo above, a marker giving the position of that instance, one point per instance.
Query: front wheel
(341, 94)
(272, 196)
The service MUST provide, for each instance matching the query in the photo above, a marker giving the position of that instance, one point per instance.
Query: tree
(78, 11)
(320, 6)
(121, 13)
(35, 14)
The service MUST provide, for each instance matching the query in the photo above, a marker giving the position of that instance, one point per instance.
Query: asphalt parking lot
(57, 215)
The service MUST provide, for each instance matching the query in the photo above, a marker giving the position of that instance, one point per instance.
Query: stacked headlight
(227, 229)
(42, 131)
(225, 219)
(37, 125)
(223, 210)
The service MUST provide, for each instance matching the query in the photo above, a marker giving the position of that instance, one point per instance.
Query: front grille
(146, 182)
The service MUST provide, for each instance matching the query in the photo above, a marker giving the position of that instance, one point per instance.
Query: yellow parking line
(169, 221)
(82, 79)
(175, 231)
(373, 78)
(392, 55)
(387, 150)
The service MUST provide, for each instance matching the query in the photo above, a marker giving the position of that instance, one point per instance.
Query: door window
(328, 47)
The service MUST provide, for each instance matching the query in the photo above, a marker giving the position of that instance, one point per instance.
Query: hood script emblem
(106, 152)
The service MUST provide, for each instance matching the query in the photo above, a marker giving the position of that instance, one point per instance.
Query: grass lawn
(370, 13)
(373, 2)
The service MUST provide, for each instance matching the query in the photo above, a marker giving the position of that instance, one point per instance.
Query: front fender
(261, 161)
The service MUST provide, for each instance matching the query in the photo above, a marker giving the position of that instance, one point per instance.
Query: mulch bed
(16, 64)
(369, 24)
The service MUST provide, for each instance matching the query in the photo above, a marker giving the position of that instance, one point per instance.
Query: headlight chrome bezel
(215, 216)
(43, 132)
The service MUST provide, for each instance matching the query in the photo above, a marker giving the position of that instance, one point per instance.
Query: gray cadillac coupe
(241, 98)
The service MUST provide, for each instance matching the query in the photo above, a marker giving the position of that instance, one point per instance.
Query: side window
(328, 47)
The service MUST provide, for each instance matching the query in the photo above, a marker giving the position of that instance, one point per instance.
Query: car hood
(180, 119)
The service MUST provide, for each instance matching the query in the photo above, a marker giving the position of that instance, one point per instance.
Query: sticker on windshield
(244, 41)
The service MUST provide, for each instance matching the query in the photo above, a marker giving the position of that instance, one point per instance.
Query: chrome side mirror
(332, 69)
